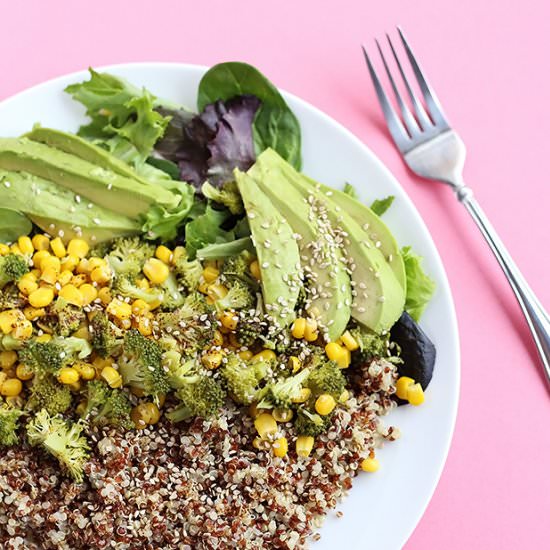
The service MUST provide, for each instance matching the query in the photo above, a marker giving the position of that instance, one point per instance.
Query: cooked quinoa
(197, 485)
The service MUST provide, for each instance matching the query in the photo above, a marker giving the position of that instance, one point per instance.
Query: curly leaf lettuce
(379, 206)
(420, 287)
(206, 229)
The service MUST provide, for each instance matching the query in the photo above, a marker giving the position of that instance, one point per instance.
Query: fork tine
(395, 126)
(421, 115)
(410, 122)
(434, 107)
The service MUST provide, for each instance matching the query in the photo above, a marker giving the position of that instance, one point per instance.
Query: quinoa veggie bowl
(226, 475)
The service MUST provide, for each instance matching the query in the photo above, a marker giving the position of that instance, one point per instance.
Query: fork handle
(537, 318)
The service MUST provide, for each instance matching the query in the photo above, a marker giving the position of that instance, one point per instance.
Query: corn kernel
(149, 412)
(254, 411)
(100, 363)
(112, 377)
(27, 284)
(156, 271)
(203, 287)
(217, 291)
(265, 425)
(9, 318)
(22, 329)
(298, 328)
(79, 280)
(304, 445)
(295, 364)
(82, 332)
(25, 245)
(178, 253)
(265, 355)
(4, 249)
(68, 375)
(402, 386)
(43, 338)
(282, 415)
(325, 404)
(217, 339)
(280, 447)
(58, 248)
(85, 370)
(94, 262)
(311, 333)
(41, 242)
(145, 326)
(212, 359)
(41, 298)
(349, 341)
(346, 359)
(261, 444)
(303, 396)
(335, 352)
(70, 262)
(50, 262)
(210, 274)
(143, 283)
(81, 408)
(23, 372)
(164, 254)
(8, 359)
(64, 278)
(83, 266)
(101, 275)
(415, 394)
(72, 295)
(255, 270)
(229, 320)
(49, 276)
(370, 465)
(14, 249)
(89, 293)
(246, 355)
(11, 387)
(78, 247)
(140, 307)
(104, 294)
(120, 310)
(154, 304)
(344, 396)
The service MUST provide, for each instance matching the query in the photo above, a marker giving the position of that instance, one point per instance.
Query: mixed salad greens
(167, 260)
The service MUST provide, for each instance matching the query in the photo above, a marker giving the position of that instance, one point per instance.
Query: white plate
(383, 508)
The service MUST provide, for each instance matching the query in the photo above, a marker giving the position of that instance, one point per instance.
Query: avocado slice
(372, 227)
(96, 184)
(378, 299)
(329, 298)
(281, 273)
(56, 211)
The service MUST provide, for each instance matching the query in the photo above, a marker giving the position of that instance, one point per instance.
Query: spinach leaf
(274, 125)
(379, 206)
(13, 224)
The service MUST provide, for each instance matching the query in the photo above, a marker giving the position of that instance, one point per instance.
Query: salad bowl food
(207, 334)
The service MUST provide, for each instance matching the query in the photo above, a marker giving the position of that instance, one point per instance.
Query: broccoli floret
(371, 345)
(283, 391)
(327, 378)
(238, 268)
(192, 325)
(243, 380)
(43, 357)
(46, 393)
(141, 364)
(8, 342)
(106, 336)
(124, 285)
(179, 372)
(11, 298)
(9, 423)
(228, 195)
(107, 406)
(312, 424)
(202, 397)
(252, 330)
(188, 272)
(12, 268)
(239, 296)
(172, 298)
(67, 317)
(128, 254)
(63, 439)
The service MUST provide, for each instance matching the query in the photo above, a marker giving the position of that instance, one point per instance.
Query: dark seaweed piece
(417, 350)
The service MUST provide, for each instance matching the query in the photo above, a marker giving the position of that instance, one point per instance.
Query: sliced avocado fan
(51, 206)
(327, 281)
(281, 272)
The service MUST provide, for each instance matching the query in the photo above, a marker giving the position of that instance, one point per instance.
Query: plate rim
(444, 294)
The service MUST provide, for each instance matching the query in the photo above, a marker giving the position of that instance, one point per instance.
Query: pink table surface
(488, 61)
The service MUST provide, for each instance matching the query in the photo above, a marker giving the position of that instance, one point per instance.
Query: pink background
(488, 60)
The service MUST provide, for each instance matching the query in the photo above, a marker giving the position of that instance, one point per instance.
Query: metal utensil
(433, 150)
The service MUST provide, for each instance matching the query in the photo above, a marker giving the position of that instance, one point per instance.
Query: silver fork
(433, 150)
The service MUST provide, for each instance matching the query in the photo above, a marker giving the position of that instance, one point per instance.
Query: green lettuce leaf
(420, 287)
(350, 190)
(379, 206)
(207, 229)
